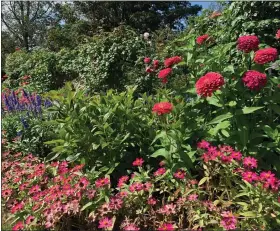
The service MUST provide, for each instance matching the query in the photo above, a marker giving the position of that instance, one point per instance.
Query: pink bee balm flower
(131, 227)
(166, 226)
(203, 144)
(105, 223)
(228, 221)
(193, 197)
(101, 182)
(250, 162)
(249, 176)
(152, 201)
(138, 162)
(18, 226)
(160, 172)
(180, 174)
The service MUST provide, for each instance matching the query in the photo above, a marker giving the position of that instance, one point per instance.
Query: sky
(204, 4)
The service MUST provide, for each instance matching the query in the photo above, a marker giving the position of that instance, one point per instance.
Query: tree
(27, 21)
(143, 16)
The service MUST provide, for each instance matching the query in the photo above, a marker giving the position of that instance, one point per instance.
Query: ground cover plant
(187, 138)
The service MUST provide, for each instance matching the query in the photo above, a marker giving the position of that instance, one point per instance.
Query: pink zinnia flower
(101, 182)
(166, 226)
(236, 155)
(18, 226)
(105, 223)
(138, 162)
(122, 194)
(180, 174)
(137, 186)
(226, 159)
(249, 176)
(192, 197)
(131, 227)
(152, 201)
(228, 221)
(160, 172)
(168, 209)
(115, 203)
(250, 162)
(84, 182)
(7, 193)
(266, 175)
(203, 144)
(29, 219)
(122, 180)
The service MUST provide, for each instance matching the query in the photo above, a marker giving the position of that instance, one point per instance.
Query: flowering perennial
(209, 83)
(265, 55)
(254, 80)
(162, 108)
(248, 43)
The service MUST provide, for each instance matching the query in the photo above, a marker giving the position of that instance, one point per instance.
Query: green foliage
(102, 131)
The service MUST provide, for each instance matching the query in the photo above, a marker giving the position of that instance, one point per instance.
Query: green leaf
(221, 118)
(161, 152)
(248, 214)
(225, 133)
(241, 195)
(214, 101)
(203, 180)
(247, 110)
(275, 108)
(269, 131)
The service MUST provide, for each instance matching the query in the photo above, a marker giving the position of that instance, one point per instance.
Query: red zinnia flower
(209, 83)
(162, 108)
(138, 162)
(164, 73)
(248, 43)
(254, 80)
(149, 70)
(278, 34)
(171, 61)
(265, 55)
(156, 64)
(147, 60)
(201, 39)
